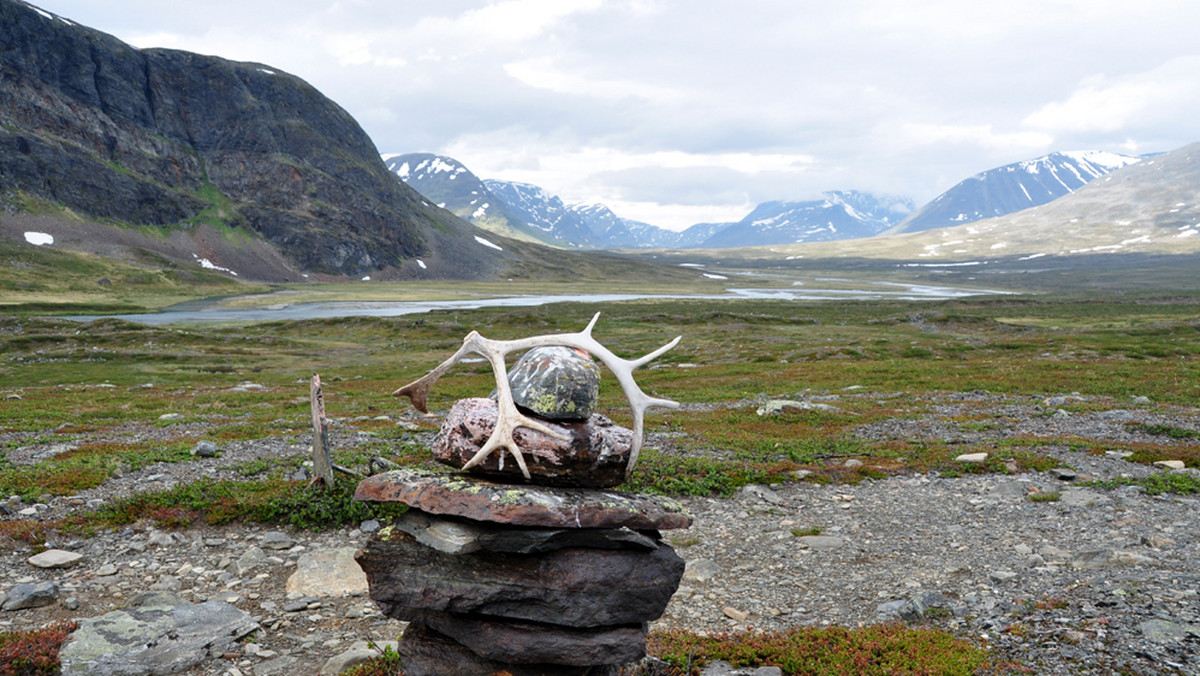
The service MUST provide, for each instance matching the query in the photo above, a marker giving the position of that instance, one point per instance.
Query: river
(214, 312)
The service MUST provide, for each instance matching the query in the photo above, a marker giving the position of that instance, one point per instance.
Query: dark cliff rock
(180, 140)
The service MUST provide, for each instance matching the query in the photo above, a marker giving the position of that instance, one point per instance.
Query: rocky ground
(1099, 581)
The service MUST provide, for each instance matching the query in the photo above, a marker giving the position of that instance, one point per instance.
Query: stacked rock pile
(554, 575)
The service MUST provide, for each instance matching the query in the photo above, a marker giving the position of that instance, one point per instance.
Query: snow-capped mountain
(840, 215)
(530, 212)
(447, 183)
(615, 232)
(1148, 208)
(584, 225)
(542, 211)
(695, 236)
(1013, 187)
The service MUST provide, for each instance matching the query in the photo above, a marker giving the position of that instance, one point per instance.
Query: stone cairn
(498, 573)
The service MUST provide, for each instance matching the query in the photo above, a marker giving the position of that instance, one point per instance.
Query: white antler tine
(587, 331)
(657, 353)
(508, 418)
(418, 390)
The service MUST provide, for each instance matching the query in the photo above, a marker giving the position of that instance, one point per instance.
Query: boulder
(556, 383)
(426, 652)
(537, 643)
(158, 633)
(574, 587)
(23, 596)
(594, 453)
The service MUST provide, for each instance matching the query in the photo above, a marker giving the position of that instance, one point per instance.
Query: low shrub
(34, 652)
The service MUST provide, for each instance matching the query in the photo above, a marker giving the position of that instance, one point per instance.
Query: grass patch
(891, 649)
(386, 664)
(1171, 483)
(668, 475)
(270, 501)
(86, 466)
(1045, 496)
(1158, 429)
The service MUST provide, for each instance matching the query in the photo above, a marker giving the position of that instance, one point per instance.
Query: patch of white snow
(39, 238)
(422, 265)
(712, 276)
(487, 243)
(209, 265)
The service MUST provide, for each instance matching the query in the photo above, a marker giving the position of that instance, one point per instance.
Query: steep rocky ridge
(178, 140)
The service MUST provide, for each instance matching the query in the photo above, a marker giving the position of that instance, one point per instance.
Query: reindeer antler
(509, 418)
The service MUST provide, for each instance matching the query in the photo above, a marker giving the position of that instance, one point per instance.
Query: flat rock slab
(573, 587)
(55, 558)
(594, 453)
(159, 633)
(544, 506)
(327, 573)
(457, 536)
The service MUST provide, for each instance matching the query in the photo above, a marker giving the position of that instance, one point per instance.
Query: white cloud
(693, 110)
(1108, 104)
(543, 73)
(980, 135)
(511, 22)
(620, 178)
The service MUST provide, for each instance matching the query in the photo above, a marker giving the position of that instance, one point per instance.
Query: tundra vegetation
(70, 382)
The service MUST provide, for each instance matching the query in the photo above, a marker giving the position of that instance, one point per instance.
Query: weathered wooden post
(322, 462)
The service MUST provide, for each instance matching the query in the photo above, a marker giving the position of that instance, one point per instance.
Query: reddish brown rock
(546, 506)
(573, 587)
(426, 652)
(595, 453)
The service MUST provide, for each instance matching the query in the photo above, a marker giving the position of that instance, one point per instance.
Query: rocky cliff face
(179, 140)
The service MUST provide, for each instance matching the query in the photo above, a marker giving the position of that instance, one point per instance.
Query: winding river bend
(214, 312)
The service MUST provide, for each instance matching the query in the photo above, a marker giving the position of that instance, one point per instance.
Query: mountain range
(524, 210)
(1013, 187)
(146, 155)
(1150, 207)
(153, 154)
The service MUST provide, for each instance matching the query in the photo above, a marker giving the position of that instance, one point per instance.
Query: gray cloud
(650, 104)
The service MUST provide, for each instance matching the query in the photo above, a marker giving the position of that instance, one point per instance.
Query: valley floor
(1099, 580)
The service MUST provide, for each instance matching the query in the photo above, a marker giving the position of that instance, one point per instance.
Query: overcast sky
(675, 112)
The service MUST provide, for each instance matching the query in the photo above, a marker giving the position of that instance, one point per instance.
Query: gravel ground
(1097, 582)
